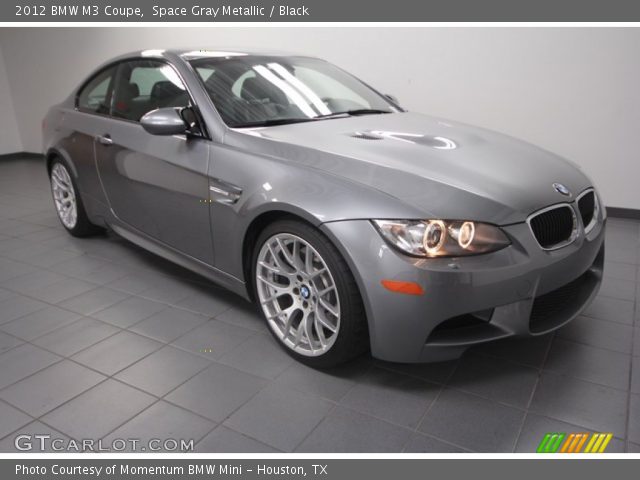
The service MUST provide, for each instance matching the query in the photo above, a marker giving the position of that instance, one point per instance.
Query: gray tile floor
(101, 340)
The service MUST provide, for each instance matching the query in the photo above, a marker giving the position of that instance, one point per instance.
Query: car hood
(446, 169)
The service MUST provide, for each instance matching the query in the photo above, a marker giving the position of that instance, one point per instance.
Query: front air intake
(554, 227)
(557, 307)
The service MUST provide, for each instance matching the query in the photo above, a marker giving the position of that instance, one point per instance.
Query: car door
(156, 184)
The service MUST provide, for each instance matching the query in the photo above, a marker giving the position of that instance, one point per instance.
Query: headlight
(442, 238)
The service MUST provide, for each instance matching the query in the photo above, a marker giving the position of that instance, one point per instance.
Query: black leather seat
(262, 90)
(264, 98)
(124, 105)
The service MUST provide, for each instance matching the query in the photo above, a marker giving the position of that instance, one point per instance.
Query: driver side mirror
(164, 121)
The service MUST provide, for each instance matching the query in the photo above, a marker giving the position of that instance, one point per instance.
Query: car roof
(197, 53)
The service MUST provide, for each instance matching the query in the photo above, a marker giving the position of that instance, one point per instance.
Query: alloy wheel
(64, 195)
(298, 294)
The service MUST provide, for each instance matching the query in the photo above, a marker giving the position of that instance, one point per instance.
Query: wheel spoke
(299, 333)
(305, 323)
(324, 321)
(319, 330)
(269, 267)
(289, 322)
(329, 308)
(272, 298)
(56, 181)
(308, 261)
(296, 256)
(326, 290)
(276, 258)
(271, 284)
(317, 272)
(285, 253)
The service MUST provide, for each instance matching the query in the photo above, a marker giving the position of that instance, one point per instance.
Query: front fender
(273, 185)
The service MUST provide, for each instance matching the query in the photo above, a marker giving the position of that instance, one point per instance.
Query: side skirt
(223, 279)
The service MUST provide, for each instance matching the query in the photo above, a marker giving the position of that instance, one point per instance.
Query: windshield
(250, 90)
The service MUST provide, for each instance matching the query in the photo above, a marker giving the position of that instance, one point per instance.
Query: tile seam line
(533, 392)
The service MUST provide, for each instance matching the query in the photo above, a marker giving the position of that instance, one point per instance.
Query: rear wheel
(308, 295)
(68, 203)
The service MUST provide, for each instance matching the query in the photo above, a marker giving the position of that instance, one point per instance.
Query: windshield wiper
(354, 112)
(273, 122)
(285, 121)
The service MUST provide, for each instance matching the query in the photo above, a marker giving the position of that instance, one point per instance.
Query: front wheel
(308, 295)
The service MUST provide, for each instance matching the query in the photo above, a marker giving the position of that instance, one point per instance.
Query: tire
(68, 202)
(295, 290)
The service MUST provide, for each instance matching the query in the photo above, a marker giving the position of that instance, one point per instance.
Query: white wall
(575, 91)
(9, 136)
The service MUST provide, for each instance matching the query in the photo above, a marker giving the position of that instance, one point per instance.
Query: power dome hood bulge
(468, 172)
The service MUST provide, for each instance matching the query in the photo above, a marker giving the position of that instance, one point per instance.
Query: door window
(145, 85)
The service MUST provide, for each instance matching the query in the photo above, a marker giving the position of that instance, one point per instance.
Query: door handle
(105, 139)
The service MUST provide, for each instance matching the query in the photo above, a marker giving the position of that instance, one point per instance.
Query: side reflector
(408, 288)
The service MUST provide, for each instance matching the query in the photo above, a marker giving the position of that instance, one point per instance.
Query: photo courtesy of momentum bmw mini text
(319, 239)
(188, 469)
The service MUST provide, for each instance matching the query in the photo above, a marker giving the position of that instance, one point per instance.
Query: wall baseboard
(616, 212)
(628, 213)
(20, 155)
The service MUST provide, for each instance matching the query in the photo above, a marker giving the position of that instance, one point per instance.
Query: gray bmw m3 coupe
(351, 223)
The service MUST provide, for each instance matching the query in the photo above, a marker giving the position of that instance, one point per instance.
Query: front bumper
(521, 290)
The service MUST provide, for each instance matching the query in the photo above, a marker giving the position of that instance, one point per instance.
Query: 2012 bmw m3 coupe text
(352, 223)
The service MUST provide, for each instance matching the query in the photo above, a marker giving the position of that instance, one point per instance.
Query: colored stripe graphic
(543, 443)
(551, 442)
(556, 442)
(576, 444)
(598, 443)
(591, 442)
(567, 445)
(581, 442)
(606, 441)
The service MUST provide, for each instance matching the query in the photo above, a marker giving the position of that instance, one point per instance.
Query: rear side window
(95, 96)
(145, 85)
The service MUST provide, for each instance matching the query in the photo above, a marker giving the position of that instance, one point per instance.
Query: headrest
(128, 91)
(124, 95)
(259, 88)
(134, 90)
(165, 89)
